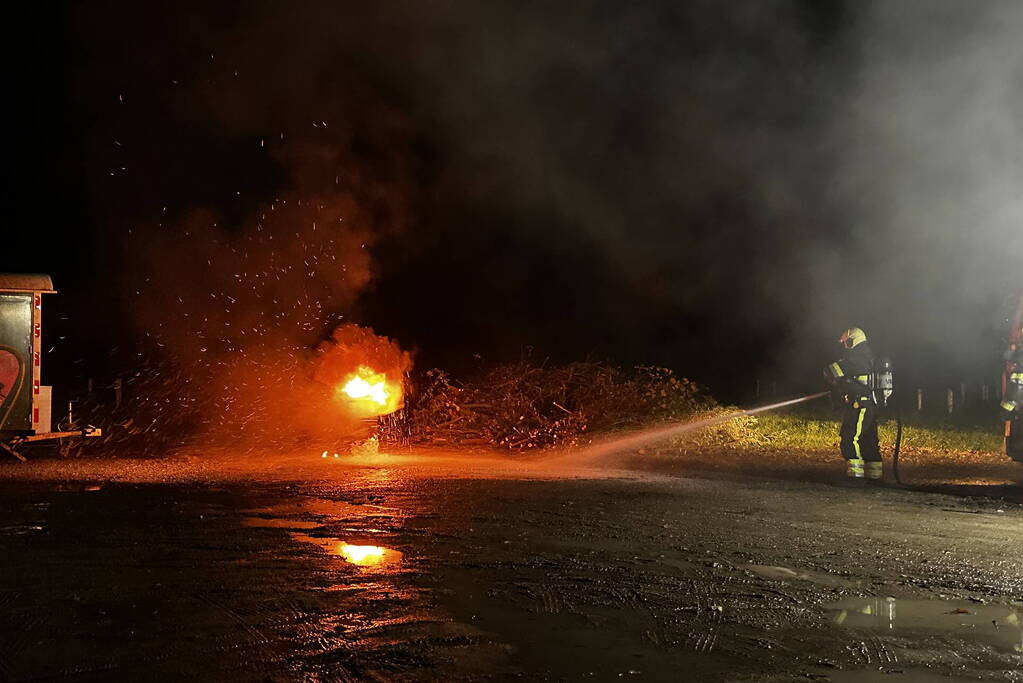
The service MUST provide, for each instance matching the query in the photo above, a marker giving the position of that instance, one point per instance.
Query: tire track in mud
(257, 635)
(873, 651)
(704, 627)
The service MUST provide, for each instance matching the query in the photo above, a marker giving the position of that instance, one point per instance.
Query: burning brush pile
(355, 387)
(329, 396)
(525, 406)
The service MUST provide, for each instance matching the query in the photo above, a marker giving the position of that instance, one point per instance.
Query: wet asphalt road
(410, 572)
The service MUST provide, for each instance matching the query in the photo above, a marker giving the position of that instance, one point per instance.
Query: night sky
(715, 187)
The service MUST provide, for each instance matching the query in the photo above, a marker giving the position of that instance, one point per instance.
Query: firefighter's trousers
(859, 439)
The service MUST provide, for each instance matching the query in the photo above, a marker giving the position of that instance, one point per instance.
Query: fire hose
(898, 440)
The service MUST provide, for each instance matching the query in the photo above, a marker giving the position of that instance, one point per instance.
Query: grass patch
(819, 431)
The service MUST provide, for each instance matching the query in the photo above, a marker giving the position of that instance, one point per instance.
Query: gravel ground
(214, 566)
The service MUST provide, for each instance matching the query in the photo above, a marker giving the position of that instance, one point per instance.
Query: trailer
(26, 405)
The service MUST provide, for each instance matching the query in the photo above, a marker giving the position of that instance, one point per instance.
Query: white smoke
(929, 152)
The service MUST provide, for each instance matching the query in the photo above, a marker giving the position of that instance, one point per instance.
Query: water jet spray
(665, 432)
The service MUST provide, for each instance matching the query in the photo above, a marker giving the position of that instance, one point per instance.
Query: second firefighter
(1011, 409)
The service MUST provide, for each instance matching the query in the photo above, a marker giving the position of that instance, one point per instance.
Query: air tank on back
(882, 381)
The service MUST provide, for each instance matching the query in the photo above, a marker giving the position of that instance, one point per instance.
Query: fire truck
(26, 405)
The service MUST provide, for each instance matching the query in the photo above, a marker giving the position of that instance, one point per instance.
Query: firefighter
(849, 378)
(1013, 398)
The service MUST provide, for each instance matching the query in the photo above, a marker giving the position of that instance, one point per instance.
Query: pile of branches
(523, 405)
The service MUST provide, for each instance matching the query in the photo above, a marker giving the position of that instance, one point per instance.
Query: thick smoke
(650, 169)
(928, 148)
(701, 184)
(752, 178)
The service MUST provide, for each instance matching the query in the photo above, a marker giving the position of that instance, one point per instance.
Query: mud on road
(398, 569)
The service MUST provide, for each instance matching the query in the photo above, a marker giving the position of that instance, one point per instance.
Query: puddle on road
(21, 529)
(31, 519)
(359, 555)
(769, 572)
(786, 574)
(997, 625)
(278, 523)
(77, 488)
(313, 513)
(289, 517)
(321, 507)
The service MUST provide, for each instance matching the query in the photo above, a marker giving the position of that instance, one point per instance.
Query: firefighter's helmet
(852, 337)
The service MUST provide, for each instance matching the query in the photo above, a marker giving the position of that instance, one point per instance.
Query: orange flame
(364, 373)
(370, 393)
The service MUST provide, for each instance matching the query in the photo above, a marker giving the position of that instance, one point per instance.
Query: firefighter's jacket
(851, 374)
(1013, 399)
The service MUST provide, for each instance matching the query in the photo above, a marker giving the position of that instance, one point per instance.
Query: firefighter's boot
(854, 468)
(874, 470)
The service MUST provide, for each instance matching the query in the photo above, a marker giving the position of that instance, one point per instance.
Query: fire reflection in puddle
(363, 555)
(305, 519)
(359, 555)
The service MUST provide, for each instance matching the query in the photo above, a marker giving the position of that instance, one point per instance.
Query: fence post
(984, 393)
(919, 400)
(951, 401)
